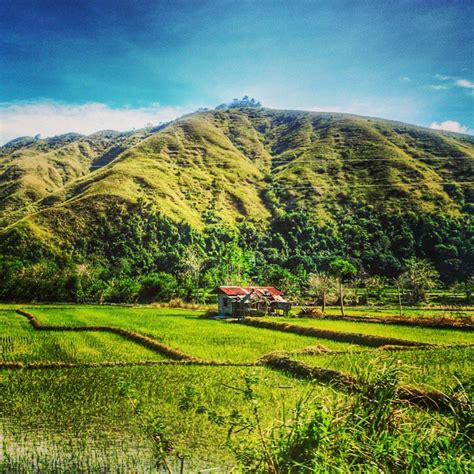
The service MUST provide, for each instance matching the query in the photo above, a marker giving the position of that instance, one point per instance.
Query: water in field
(39, 449)
(75, 420)
(24, 449)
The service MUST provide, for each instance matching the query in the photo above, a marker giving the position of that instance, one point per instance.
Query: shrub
(310, 312)
(160, 286)
(124, 290)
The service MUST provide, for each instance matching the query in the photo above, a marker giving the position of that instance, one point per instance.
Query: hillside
(32, 168)
(318, 183)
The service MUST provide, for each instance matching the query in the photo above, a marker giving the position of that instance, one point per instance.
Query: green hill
(285, 188)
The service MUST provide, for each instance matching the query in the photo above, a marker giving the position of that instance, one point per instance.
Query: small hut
(239, 302)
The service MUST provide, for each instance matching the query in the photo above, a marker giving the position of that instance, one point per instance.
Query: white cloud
(52, 118)
(443, 78)
(451, 81)
(465, 83)
(405, 79)
(450, 126)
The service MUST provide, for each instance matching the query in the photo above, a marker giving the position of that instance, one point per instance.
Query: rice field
(78, 419)
(187, 331)
(440, 369)
(98, 419)
(20, 343)
(408, 311)
(419, 334)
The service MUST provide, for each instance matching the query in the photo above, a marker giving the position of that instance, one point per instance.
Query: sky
(87, 65)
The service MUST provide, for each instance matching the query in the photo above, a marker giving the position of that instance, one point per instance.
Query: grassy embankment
(418, 334)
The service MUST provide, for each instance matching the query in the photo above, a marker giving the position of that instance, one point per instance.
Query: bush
(160, 286)
(310, 312)
(125, 290)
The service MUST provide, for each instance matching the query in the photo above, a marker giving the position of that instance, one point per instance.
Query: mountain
(337, 176)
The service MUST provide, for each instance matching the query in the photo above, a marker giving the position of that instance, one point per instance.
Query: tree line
(144, 256)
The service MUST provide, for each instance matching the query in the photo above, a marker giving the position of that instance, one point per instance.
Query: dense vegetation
(237, 195)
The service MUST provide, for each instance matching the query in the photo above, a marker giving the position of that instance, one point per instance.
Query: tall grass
(436, 368)
(367, 432)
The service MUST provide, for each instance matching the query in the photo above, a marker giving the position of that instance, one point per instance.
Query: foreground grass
(19, 342)
(185, 330)
(371, 431)
(442, 369)
(419, 334)
(78, 416)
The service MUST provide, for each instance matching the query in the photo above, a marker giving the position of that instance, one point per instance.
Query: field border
(354, 338)
(432, 400)
(136, 337)
(397, 321)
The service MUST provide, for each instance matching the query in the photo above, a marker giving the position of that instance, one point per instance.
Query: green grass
(19, 342)
(438, 368)
(420, 334)
(79, 419)
(393, 311)
(78, 415)
(184, 330)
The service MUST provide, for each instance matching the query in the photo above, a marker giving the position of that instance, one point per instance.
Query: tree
(159, 286)
(281, 278)
(341, 269)
(123, 290)
(419, 277)
(320, 285)
(399, 285)
(193, 263)
(236, 103)
(374, 286)
(466, 287)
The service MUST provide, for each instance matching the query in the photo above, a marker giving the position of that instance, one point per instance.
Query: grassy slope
(240, 163)
(31, 170)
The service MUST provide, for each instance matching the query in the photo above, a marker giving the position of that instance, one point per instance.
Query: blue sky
(115, 64)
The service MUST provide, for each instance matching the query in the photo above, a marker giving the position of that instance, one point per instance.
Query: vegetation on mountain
(240, 194)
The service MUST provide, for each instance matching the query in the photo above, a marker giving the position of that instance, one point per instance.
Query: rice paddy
(20, 343)
(442, 369)
(186, 331)
(418, 334)
(82, 419)
(74, 414)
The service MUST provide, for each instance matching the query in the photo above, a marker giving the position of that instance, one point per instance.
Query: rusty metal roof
(242, 291)
(232, 290)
